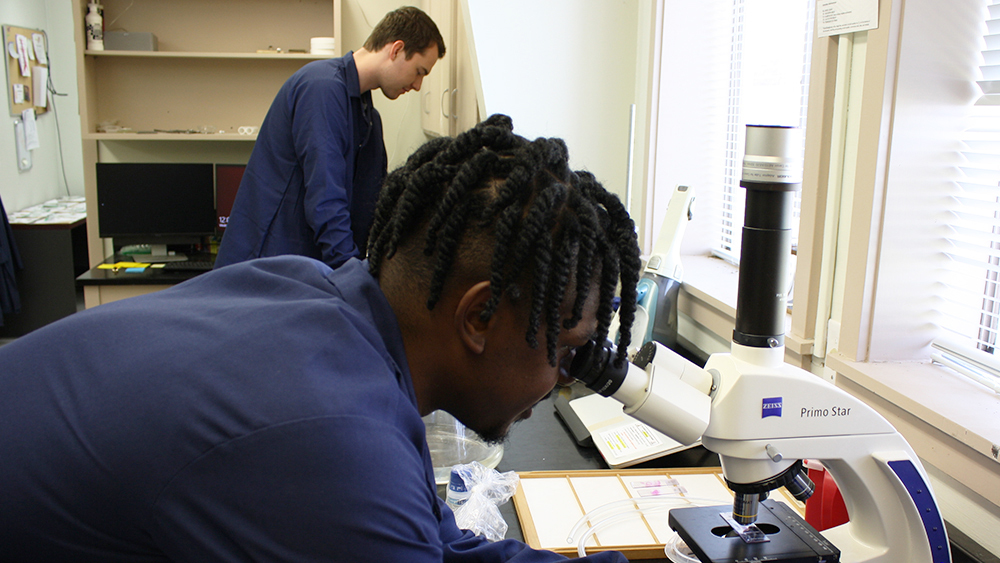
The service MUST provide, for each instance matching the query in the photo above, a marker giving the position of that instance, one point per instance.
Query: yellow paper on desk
(122, 265)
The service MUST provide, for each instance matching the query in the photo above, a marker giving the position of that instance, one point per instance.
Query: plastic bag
(475, 494)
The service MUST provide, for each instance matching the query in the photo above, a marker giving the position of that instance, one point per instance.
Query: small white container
(322, 46)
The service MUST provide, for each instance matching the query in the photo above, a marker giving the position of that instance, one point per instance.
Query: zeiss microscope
(764, 417)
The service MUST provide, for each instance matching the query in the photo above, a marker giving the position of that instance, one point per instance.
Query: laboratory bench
(105, 283)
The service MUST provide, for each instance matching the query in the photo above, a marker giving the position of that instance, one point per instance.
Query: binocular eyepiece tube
(659, 388)
(593, 366)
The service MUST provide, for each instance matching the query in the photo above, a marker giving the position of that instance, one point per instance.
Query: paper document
(39, 82)
(836, 17)
(38, 41)
(30, 129)
(622, 440)
(23, 60)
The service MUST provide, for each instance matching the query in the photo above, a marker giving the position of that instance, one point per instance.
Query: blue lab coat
(260, 412)
(10, 262)
(315, 172)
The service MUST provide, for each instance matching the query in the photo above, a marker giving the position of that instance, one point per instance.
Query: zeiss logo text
(770, 407)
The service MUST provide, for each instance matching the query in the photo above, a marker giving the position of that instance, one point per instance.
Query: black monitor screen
(155, 203)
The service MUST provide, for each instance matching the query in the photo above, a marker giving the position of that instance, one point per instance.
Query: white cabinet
(465, 103)
(448, 95)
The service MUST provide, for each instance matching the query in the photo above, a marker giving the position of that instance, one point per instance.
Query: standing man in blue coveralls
(270, 411)
(314, 176)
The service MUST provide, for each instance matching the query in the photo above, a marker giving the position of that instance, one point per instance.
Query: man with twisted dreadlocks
(491, 221)
(271, 410)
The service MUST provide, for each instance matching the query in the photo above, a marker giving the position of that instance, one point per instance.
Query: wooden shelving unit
(207, 75)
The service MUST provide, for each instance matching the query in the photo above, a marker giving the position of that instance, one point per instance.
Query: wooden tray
(550, 503)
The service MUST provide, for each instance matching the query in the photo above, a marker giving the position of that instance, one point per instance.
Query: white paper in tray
(551, 503)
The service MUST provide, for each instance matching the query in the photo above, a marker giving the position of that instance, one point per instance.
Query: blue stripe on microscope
(937, 538)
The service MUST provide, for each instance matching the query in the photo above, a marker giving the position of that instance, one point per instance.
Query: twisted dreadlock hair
(514, 209)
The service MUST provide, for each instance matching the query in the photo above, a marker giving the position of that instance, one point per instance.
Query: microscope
(765, 417)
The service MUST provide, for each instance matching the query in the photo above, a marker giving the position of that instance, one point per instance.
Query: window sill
(713, 280)
(967, 413)
(954, 433)
(947, 429)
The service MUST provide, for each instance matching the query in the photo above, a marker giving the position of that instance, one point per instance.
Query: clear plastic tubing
(635, 505)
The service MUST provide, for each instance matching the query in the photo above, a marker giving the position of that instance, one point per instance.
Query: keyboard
(198, 265)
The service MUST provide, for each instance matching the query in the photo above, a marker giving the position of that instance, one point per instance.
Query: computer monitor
(227, 182)
(158, 204)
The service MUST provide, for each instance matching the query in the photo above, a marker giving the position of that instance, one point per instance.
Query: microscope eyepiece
(594, 366)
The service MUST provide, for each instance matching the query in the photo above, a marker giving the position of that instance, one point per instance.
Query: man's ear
(395, 49)
(472, 330)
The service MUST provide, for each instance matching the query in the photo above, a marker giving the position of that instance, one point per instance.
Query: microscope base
(792, 539)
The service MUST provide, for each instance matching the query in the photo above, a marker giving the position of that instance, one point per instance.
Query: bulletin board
(26, 90)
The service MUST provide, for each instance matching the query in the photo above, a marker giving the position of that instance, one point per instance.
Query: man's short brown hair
(410, 25)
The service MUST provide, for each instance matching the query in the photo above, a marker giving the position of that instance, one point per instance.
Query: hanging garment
(10, 260)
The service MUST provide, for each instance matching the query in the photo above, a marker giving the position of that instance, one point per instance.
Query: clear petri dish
(451, 443)
(678, 552)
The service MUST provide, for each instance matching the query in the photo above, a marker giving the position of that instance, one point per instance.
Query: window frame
(839, 316)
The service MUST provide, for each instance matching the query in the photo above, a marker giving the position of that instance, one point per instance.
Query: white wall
(563, 68)
(45, 179)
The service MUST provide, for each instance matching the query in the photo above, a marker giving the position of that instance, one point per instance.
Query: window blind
(770, 57)
(733, 207)
(723, 64)
(969, 312)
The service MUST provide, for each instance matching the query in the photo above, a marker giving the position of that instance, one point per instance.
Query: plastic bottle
(95, 27)
(458, 490)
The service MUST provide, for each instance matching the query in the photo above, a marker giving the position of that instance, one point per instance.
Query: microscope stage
(791, 538)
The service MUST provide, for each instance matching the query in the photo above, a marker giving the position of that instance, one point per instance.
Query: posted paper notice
(835, 17)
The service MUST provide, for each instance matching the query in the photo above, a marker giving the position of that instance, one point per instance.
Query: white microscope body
(767, 414)
(764, 417)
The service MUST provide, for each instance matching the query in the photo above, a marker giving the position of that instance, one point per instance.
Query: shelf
(205, 55)
(218, 67)
(187, 137)
(182, 93)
